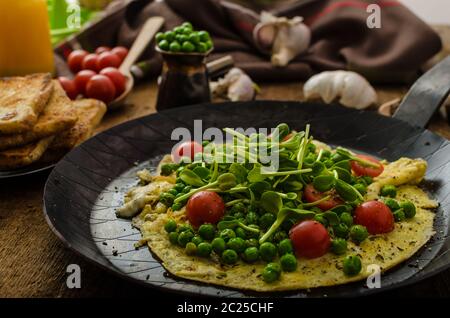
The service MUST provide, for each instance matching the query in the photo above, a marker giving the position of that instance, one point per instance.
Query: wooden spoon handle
(148, 31)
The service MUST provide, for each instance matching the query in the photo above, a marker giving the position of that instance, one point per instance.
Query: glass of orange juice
(25, 45)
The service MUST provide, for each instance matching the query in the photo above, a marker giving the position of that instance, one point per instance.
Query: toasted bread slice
(57, 116)
(22, 99)
(25, 155)
(90, 112)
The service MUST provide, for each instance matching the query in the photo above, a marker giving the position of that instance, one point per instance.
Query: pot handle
(426, 95)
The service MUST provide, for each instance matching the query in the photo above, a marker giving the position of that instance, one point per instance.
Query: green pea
(311, 147)
(218, 245)
(190, 249)
(399, 215)
(227, 234)
(392, 204)
(169, 36)
(239, 215)
(208, 44)
(176, 206)
(237, 244)
(358, 233)
(173, 192)
(268, 251)
(328, 163)
(204, 249)
(187, 47)
(201, 47)
(170, 226)
(184, 238)
(288, 263)
(389, 191)
(238, 207)
(204, 36)
(346, 218)
(251, 254)
(194, 38)
(206, 231)
(326, 154)
(178, 195)
(252, 242)
(352, 265)
(159, 37)
(321, 219)
(267, 220)
(164, 45)
(229, 257)
(187, 31)
(271, 273)
(279, 236)
(185, 227)
(252, 218)
(285, 247)
(166, 198)
(187, 25)
(174, 47)
(182, 38)
(178, 29)
(173, 237)
(408, 208)
(338, 246)
(240, 233)
(341, 230)
(367, 179)
(197, 240)
(361, 188)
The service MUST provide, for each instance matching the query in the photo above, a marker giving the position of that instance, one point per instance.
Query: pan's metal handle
(426, 95)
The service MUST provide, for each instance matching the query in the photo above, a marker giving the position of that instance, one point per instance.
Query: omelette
(407, 235)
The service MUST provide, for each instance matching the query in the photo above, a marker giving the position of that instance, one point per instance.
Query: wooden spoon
(148, 31)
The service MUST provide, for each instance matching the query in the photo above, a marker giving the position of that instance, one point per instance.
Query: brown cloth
(341, 38)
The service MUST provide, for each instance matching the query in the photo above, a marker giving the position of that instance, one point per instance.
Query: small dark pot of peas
(184, 78)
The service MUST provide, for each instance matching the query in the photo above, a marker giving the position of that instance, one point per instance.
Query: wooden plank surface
(33, 262)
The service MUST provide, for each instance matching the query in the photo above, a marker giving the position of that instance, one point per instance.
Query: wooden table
(33, 261)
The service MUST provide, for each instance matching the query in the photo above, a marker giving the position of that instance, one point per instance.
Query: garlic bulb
(353, 90)
(286, 38)
(236, 86)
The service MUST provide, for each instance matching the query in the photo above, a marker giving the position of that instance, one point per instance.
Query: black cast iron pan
(84, 189)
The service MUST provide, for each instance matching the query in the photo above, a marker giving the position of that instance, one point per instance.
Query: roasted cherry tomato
(312, 195)
(205, 207)
(310, 239)
(75, 60)
(117, 78)
(121, 52)
(186, 149)
(375, 216)
(102, 49)
(90, 62)
(69, 87)
(108, 59)
(82, 78)
(361, 170)
(101, 87)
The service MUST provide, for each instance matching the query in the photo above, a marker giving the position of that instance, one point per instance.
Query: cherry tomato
(90, 62)
(101, 87)
(310, 239)
(312, 195)
(117, 78)
(102, 49)
(361, 170)
(108, 59)
(69, 87)
(75, 60)
(205, 207)
(186, 149)
(81, 80)
(121, 52)
(375, 216)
